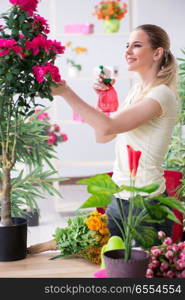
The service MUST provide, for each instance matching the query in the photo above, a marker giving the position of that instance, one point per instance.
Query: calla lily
(133, 159)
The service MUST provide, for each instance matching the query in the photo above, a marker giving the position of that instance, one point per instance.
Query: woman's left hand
(61, 89)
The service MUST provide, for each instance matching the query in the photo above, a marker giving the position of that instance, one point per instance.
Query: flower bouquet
(111, 12)
(84, 236)
(53, 131)
(167, 260)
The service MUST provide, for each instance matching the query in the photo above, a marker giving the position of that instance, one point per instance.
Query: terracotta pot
(116, 266)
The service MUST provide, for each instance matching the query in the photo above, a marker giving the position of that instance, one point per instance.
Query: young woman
(147, 117)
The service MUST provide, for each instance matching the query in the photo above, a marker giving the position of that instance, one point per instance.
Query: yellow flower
(94, 223)
(104, 231)
(68, 44)
(80, 50)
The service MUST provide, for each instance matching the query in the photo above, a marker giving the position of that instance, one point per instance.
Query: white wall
(81, 155)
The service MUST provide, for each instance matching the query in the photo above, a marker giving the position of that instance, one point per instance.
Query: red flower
(41, 71)
(10, 45)
(52, 138)
(64, 137)
(40, 24)
(133, 157)
(28, 5)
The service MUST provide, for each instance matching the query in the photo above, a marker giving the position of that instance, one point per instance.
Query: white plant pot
(73, 72)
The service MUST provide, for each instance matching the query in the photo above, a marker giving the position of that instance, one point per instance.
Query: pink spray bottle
(108, 99)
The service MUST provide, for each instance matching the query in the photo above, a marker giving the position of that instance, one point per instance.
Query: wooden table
(39, 266)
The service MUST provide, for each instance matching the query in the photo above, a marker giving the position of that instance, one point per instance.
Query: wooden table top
(39, 266)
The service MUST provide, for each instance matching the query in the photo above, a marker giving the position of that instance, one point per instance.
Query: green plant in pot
(142, 208)
(27, 70)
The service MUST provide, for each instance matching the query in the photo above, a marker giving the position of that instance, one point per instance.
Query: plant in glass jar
(74, 66)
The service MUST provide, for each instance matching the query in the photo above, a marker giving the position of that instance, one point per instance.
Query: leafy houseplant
(27, 70)
(102, 187)
(111, 12)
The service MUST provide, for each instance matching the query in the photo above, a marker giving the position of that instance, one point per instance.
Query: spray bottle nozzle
(105, 80)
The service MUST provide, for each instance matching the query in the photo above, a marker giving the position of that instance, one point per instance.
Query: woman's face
(139, 54)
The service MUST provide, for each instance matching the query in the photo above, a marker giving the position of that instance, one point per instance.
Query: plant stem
(128, 233)
(5, 198)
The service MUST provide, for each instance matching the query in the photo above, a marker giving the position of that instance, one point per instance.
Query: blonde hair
(167, 73)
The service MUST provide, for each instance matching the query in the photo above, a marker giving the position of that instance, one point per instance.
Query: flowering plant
(74, 51)
(53, 131)
(108, 10)
(84, 236)
(27, 70)
(168, 259)
(141, 207)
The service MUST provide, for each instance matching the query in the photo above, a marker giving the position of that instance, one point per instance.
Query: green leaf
(97, 201)
(171, 202)
(155, 211)
(146, 236)
(145, 189)
(170, 214)
(100, 184)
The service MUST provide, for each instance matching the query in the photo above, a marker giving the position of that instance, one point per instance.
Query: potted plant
(27, 70)
(111, 12)
(131, 262)
(74, 67)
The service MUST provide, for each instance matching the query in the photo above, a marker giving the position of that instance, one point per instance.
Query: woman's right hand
(99, 85)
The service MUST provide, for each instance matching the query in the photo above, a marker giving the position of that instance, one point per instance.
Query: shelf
(93, 34)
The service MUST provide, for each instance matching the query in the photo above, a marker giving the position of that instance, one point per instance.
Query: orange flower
(94, 223)
(80, 50)
(104, 231)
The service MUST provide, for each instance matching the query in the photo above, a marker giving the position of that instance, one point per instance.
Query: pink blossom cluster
(10, 45)
(52, 130)
(40, 42)
(28, 5)
(40, 72)
(167, 260)
(40, 24)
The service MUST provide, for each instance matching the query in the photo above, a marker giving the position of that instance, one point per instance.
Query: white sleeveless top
(151, 138)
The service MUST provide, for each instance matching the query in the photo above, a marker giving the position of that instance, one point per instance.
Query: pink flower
(52, 138)
(149, 273)
(170, 274)
(169, 254)
(64, 137)
(180, 264)
(156, 252)
(40, 43)
(175, 247)
(183, 274)
(161, 235)
(41, 71)
(40, 24)
(164, 266)
(168, 241)
(28, 5)
(9, 45)
(181, 245)
(56, 127)
(43, 116)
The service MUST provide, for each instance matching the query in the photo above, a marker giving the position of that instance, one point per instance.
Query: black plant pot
(116, 266)
(13, 240)
(32, 218)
